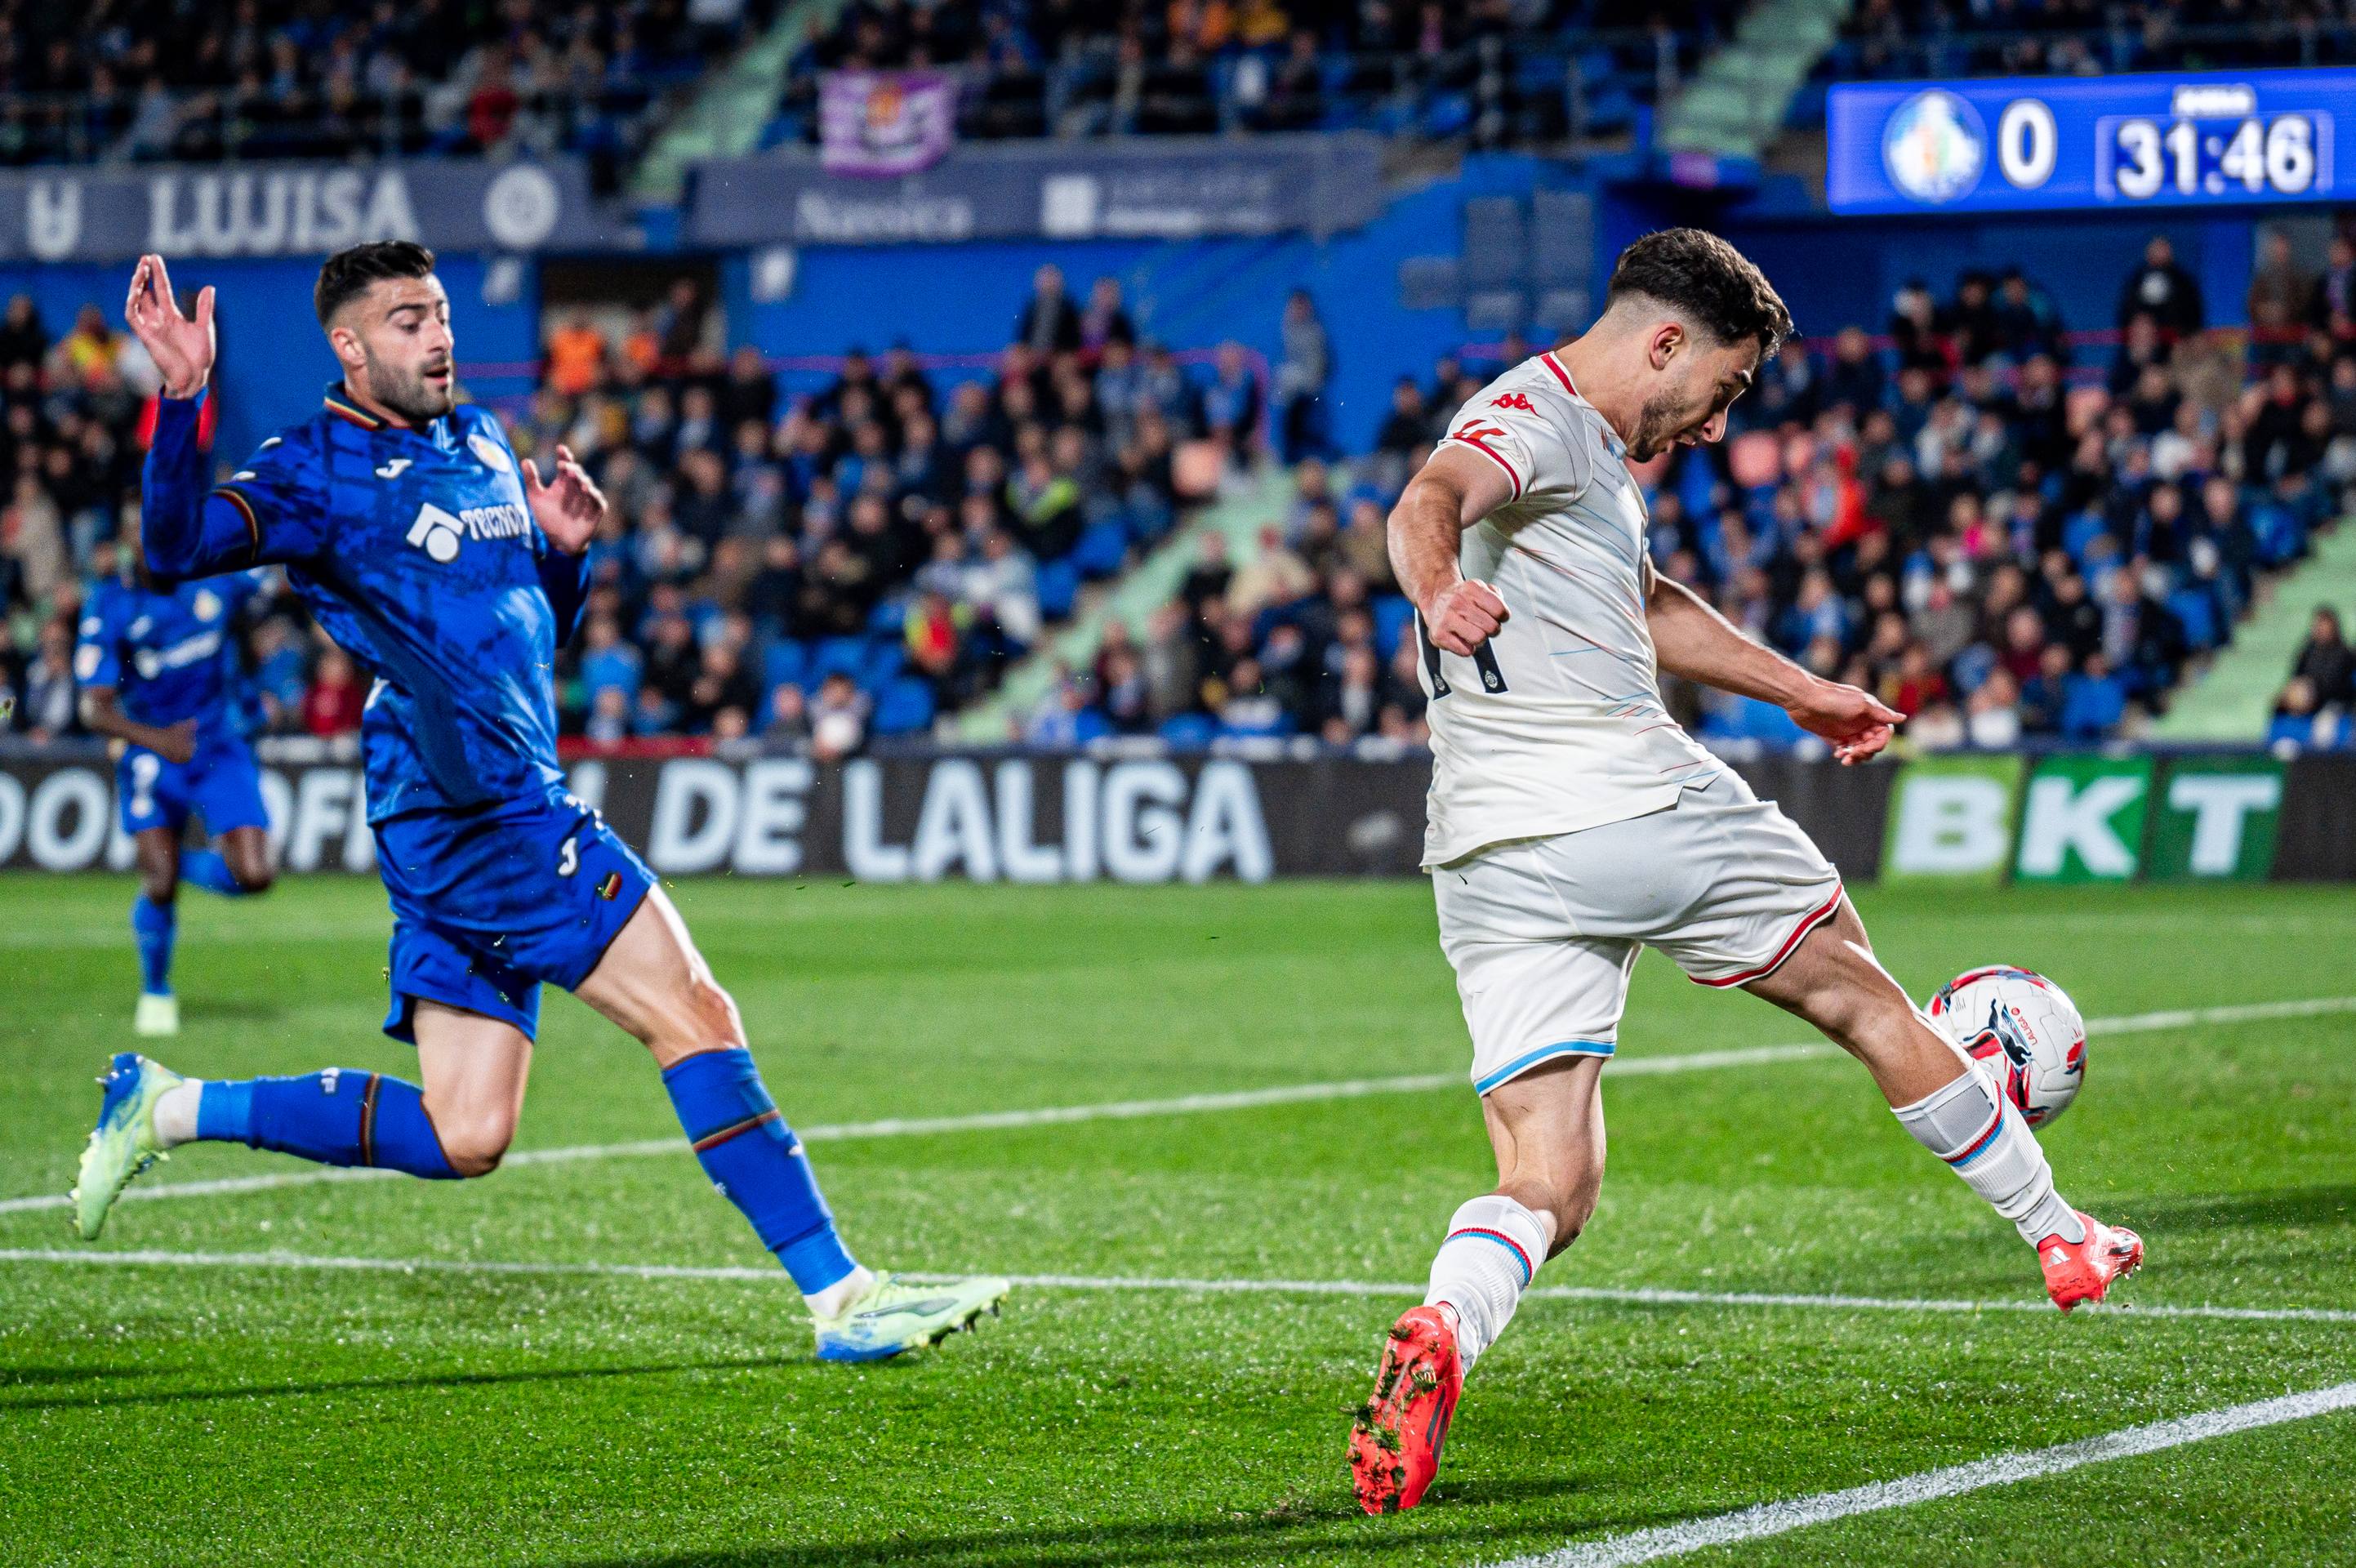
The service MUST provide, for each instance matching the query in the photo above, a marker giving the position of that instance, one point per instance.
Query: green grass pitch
(255, 1413)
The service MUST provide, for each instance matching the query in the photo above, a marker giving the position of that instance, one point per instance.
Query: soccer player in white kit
(1573, 823)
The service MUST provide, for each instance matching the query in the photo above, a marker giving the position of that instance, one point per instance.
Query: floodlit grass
(250, 1412)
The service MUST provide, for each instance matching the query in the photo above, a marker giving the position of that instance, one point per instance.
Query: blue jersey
(416, 551)
(169, 654)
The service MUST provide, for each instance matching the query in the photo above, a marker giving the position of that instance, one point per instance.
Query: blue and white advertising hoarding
(2029, 144)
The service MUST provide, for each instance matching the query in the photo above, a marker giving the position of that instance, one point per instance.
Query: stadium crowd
(1499, 72)
(1936, 39)
(148, 80)
(2002, 533)
(1997, 540)
(861, 556)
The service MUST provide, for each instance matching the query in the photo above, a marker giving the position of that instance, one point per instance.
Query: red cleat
(1395, 1439)
(2078, 1271)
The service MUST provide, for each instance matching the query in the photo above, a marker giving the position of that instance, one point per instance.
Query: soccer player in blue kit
(452, 574)
(158, 669)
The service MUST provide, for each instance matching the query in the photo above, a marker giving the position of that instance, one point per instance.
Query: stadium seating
(1923, 39)
(1989, 585)
(734, 569)
(147, 80)
(1498, 76)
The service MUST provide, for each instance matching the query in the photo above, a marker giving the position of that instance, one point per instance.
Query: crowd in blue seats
(1931, 40)
(2316, 707)
(1497, 73)
(2003, 537)
(867, 555)
(261, 79)
(854, 558)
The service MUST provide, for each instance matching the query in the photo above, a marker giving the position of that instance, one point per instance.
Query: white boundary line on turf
(1633, 1295)
(2002, 1470)
(1185, 1104)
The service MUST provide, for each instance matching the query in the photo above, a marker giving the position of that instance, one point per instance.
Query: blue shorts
(220, 783)
(488, 904)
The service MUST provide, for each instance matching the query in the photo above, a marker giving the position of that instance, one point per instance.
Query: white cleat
(158, 1016)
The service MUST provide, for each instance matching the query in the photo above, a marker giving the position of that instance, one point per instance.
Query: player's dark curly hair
(1703, 277)
(348, 272)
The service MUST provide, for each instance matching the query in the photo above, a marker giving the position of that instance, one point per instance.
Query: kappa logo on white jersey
(391, 470)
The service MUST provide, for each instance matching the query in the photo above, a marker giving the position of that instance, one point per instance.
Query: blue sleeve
(565, 580)
(98, 660)
(271, 511)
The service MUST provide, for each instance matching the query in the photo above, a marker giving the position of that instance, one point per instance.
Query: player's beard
(1659, 422)
(410, 394)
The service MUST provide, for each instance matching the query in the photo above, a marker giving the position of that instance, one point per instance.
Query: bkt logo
(435, 531)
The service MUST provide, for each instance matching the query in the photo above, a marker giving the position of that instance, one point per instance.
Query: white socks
(1975, 1130)
(831, 1301)
(176, 1113)
(1493, 1247)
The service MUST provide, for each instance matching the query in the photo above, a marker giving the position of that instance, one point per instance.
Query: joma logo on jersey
(439, 533)
(1512, 399)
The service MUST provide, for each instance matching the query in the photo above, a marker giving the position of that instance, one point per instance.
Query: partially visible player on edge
(453, 572)
(1572, 822)
(158, 668)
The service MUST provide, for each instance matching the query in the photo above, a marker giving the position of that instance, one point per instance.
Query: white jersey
(1557, 723)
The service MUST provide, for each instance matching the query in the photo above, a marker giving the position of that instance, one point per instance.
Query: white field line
(2002, 1470)
(1626, 1295)
(1184, 1104)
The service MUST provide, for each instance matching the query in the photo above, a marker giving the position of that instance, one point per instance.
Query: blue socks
(156, 924)
(753, 1158)
(205, 868)
(339, 1116)
(153, 925)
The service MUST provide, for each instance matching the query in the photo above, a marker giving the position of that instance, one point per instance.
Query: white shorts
(1542, 931)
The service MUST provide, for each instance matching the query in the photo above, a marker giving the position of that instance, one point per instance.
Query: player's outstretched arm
(272, 511)
(1694, 640)
(182, 536)
(1454, 490)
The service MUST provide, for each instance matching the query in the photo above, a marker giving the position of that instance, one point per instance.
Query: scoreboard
(2050, 144)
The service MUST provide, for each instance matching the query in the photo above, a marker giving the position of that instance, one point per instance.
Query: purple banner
(883, 123)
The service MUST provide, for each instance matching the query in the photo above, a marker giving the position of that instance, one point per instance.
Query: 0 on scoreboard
(2029, 144)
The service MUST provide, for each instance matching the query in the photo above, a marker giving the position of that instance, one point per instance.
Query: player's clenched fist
(1463, 616)
(181, 346)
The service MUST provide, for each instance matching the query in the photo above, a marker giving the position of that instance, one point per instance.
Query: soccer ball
(2021, 1029)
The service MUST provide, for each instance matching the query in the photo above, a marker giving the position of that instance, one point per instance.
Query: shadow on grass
(14, 1376)
(98, 1400)
(1334, 1529)
(2269, 1209)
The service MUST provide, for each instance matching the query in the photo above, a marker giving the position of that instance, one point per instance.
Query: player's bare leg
(246, 851)
(241, 867)
(1547, 1127)
(654, 983)
(1834, 982)
(457, 1125)
(473, 1069)
(154, 926)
